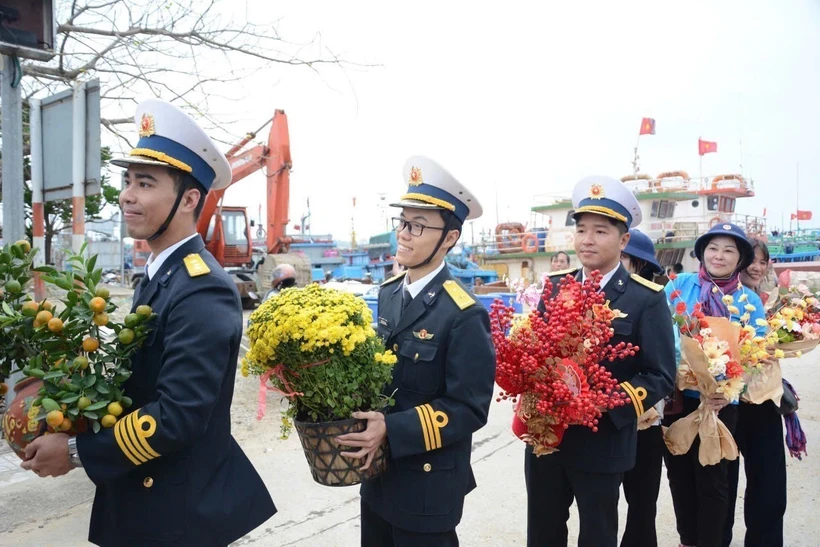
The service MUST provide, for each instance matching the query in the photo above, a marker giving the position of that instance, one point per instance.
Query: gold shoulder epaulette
(462, 299)
(646, 283)
(195, 265)
(562, 273)
(394, 278)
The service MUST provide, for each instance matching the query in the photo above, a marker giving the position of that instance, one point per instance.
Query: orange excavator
(226, 230)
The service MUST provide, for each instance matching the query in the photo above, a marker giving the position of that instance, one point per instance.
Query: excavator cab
(229, 238)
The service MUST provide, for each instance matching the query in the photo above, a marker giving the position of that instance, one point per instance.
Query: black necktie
(141, 287)
(405, 299)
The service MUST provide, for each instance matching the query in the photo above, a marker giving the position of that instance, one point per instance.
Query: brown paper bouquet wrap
(716, 441)
(764, 385)
(797, 348)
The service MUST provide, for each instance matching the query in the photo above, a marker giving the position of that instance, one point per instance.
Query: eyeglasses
(415, 228)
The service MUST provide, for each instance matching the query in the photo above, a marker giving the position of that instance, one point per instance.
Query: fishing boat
(676, 210)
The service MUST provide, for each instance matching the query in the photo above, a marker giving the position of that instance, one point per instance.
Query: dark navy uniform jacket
(443, 383)
(169, 472)
(646, 378)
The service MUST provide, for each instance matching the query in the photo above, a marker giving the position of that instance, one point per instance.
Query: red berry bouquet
(548, 363)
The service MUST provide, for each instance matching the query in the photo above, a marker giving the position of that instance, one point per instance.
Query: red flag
(647, 126)
(803, 215)
(706, 147)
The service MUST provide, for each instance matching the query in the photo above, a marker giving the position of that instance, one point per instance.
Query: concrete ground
(38, 512)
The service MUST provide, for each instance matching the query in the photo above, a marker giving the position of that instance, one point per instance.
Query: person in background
(559, 261)
(759, 437)
(642, 483)
(700, 494)
(677, 268)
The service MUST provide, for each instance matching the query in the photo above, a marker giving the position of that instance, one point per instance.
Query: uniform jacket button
(395, 348)
(427, 467)
(148, 482)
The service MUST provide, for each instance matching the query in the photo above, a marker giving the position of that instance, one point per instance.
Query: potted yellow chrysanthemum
(316, 347)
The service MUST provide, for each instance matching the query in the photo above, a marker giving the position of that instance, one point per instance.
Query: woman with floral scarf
(759, 437)
(700, 494)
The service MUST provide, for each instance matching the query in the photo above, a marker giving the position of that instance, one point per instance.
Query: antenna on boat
(353, 225)
(797, 195)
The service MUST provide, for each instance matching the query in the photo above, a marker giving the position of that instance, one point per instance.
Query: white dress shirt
(153, 265)
(416, 287)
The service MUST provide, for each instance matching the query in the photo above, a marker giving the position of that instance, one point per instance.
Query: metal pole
(14, 218)
(38, 222)
(797, 195)
(78, 167)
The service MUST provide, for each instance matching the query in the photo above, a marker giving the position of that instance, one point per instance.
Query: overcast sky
(527, 98)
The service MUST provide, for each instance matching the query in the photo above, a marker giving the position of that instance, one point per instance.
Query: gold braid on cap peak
(601, 210)
(431, 200)
(147, 152)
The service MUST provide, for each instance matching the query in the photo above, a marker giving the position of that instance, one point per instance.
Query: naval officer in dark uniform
(589, 466)
(444, 378)
(169, 472)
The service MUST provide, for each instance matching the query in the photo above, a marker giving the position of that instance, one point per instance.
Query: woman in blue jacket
(759, 437)
(700, 494)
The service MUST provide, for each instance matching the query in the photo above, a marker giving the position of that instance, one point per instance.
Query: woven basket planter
(327, 465)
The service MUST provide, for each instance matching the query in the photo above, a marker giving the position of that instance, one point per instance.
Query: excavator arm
(277, 170)
(274, 158)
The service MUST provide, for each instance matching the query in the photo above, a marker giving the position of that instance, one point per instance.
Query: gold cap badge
(415, 177)
(596, 191)
(147, 125)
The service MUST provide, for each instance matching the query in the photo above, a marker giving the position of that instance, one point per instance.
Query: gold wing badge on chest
(423, 335)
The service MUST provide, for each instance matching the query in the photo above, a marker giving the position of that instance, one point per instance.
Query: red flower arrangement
(549, 363)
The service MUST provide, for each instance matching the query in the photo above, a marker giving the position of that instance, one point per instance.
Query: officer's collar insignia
(415, 177)
(382, 321)
(147, 125)
(423, 335)
(596, 191)
(620, 282)
(431, 294)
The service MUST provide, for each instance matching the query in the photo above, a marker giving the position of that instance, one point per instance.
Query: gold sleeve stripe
(132, 438)
(124, 443)
(440, 420)
(431, 424)
(424, 428)
(636, 402)
(431, 427)
(131, 441)
(636, 395)
(143, 434)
